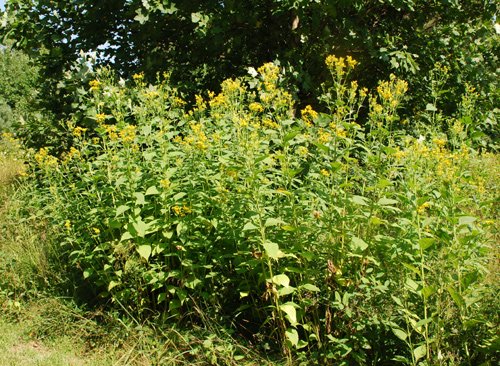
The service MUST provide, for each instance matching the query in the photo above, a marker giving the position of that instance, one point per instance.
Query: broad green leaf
(289, 309)
(412, 285)
(419, 352)
(358, 244)
(249, 226)
(141, 227)
(423, 322)
(310, 287)
(152, 190)
(430, 107)
(360, 200)
(121, 209)
(144, 251)
(290, 135)
(292, 336)
(273, 222)
(87, 273)
(140, 199)
(272, 250)
(113, 284)
(400, 333)
(466, 220)
(457, 298)
(386, 202)
(425, 243)
(283, 291)
(126, 236)
(178, 196)
(428, 291)
(281, 279)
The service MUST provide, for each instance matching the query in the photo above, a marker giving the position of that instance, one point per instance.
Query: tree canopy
(203, 42)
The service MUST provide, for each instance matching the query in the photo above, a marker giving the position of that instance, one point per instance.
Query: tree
(202, 42)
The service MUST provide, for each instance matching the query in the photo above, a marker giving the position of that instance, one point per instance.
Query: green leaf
(466, 220)
(273, 222)
(281, 279)
(292, 336)
(144, 251)
(425, 243)
(400, 333)
(419, 352)
(310, 287)
(249, 226)
(360, 200)
(289, 309)
(428, 291)
(140, 199)
(358, 244)
(140, 227)
(113, 284)
(386, 202)
(457, 298)
(283, 291)
(430, 107)
(178, 196)
(121, 209)
(152, 190)
(272, 250)
(290, 135)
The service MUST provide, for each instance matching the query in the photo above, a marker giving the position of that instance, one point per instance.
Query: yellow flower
(127, 134)
(94, 85)
(96, 230)
(423, 207)
(309, 115)
(100, 117)
(165, 183)
(324, 172)
(256, 107)
(78, 131)
(67, 224)
(138, 77)
(302, 151)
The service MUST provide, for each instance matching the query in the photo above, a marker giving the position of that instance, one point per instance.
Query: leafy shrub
(307, 233)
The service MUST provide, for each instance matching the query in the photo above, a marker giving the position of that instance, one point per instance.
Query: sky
(2, 4)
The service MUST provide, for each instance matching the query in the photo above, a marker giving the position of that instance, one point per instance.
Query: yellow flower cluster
(269, 123)
(423, 207)
(339, 131)
(100, 117)
(256, 107)
(127, 134)
(178, 102)
(44, 159)
(324, 137)
(270, 74)
(197, 139)
(111, 131)
(165, 183)
(232, 87)
(308, 115)
(181, 210)
(324, 172)
(302, 151)
(71, 154)
(218, 101)
(94, 85)
(138, 77)
(79, 131)
(340, 65)
(392, 91)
